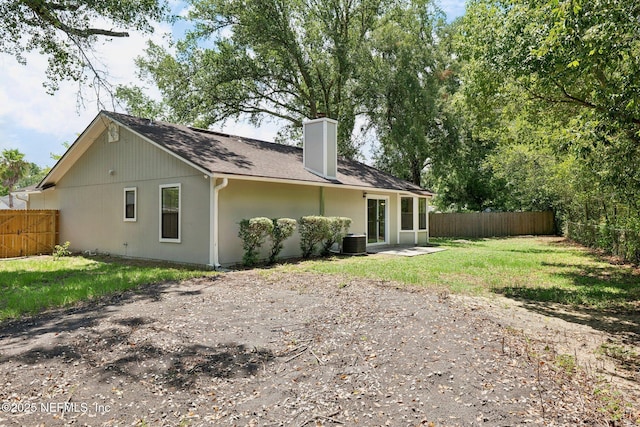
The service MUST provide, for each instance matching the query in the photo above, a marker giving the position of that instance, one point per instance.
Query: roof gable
(218, 153)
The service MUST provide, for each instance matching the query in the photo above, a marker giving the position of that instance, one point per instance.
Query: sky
(38, 124)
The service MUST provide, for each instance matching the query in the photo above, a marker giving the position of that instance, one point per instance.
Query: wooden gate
(28, 232)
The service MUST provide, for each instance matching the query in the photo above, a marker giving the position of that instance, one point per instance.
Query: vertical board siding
(28, 232)
(492, 224)
(131, 159)
(91, 201)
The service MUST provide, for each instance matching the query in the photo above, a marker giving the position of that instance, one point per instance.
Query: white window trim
(416, 218)
(163, 239)
(386, 219)
(416, 213)
(135, 204)
(426, 214)
(413, 214)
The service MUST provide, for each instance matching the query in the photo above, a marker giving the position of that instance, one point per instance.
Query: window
(406, 212)
(170, 213)
(130, 202)
(422, 214)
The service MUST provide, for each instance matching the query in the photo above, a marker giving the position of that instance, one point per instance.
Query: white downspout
(213, 221)
(17, 196)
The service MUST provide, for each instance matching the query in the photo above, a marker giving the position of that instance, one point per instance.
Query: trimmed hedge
(283, 228)
(316, 232)
(338, 228)
(313, 230)
(321, 230)
(253, 233)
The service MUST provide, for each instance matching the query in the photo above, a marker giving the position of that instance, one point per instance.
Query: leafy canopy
(285, 59)
(551, 88)
(406, 87)
(65, 31)
(12, 168)
(580, 52)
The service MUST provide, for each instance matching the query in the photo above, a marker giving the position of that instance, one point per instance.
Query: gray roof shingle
(226, 154)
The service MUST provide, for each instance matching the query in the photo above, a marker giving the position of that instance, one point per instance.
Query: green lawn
(535, 269)
(31, 285)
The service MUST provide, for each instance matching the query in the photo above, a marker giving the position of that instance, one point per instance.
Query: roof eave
(74, 152)
(328, 183)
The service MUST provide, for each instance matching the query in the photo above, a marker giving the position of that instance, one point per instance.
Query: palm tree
(12, 169)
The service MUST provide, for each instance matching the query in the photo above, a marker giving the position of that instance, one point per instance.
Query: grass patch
(535, 269)
(31, 285)
(625, 356)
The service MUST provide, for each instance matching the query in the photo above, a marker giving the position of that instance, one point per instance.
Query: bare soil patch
(260, 349)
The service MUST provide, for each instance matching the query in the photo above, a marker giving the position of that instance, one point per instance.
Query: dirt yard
(266, 349)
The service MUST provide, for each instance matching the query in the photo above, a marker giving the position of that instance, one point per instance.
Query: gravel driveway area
(259, 348)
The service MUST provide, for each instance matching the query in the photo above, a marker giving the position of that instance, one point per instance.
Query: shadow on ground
(605, 297)
(75, 336)
(89, 313)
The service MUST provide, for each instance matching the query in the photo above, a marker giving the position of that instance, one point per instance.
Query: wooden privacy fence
(28, 232)
(490, 224)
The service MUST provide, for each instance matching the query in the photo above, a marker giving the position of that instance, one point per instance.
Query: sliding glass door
(376, 220)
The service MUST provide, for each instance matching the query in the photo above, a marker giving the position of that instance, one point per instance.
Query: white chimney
(320, 147)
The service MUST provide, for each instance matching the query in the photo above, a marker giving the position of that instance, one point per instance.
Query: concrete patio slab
(405, 250)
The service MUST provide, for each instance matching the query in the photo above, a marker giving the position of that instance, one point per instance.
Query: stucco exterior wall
(248, 199)
(348, 203)
(407, 238)
(91, 201)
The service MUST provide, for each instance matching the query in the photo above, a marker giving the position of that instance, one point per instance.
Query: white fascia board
(76, 150)
(312, 184)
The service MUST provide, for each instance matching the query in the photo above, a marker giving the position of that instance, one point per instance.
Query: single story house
(140, 188)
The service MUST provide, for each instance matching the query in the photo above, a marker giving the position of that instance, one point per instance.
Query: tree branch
(45, 12)
(571, 99)
(574, 99)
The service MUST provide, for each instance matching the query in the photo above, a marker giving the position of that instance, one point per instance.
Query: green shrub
(621, 242)
(282, 229)
(253, 233)
(60, 251)
(313, 231)
(321, 230)
(338, 227)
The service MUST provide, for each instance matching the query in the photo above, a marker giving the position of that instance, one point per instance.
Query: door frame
(386, 218)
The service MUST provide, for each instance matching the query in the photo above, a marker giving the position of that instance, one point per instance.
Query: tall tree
(67, 30)
(33, 175)
(582, 52)
(409, 78)
(472, 106)
(286, 59)
(12, 168)
(579, 60)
